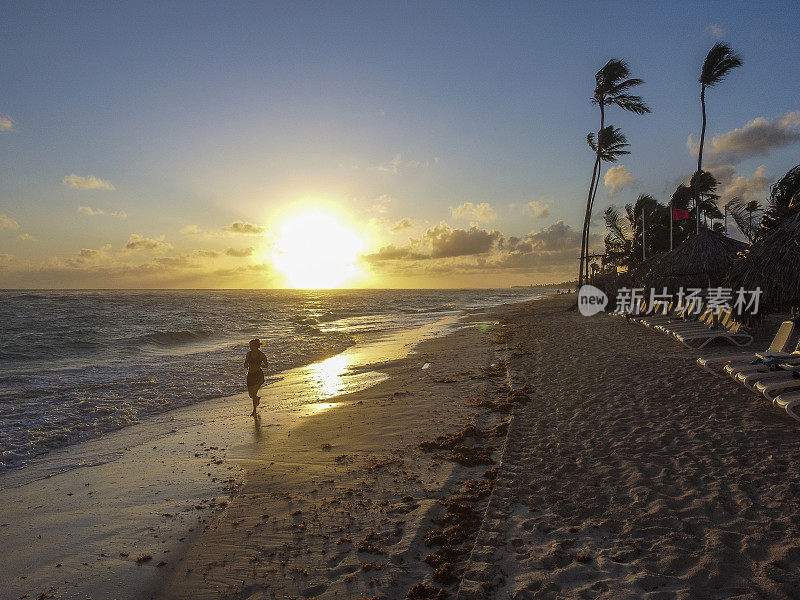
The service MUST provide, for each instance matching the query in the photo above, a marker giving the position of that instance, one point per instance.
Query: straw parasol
(772, 264)
(701, 261)
(640, 274)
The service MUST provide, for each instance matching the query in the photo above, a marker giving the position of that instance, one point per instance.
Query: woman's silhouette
(255, 376)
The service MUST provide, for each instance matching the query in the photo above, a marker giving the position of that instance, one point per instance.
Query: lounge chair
(776, 383)
(716, 365)
(673, 312)
(638, 310)
(780, 372)
(730, 332)
(689, 320)
(788, 402)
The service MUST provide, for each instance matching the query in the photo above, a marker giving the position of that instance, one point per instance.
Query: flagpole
(671, 218)
(643, 253)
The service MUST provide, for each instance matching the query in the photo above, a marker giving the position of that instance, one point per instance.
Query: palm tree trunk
(590, 200)
(586, 217)
(700, 153)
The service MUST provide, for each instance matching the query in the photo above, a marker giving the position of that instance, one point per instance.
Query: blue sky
(201, 115)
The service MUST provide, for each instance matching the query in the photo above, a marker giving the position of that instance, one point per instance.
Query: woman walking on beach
(255, 376)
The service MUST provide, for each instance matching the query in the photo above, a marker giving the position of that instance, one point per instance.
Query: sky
(352, 144)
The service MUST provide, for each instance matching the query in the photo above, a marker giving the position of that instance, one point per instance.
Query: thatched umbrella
(640, 274)
(772, 264)
(702, 261)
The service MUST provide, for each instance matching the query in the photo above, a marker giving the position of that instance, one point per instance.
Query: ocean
(76, 364)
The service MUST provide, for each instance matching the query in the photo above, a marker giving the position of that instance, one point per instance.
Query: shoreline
(48, 498)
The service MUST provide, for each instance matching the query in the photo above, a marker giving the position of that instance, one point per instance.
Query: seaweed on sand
(470, 457)
(423, 591)
(447, 442)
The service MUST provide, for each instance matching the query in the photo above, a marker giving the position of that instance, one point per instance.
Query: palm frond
(633, 104)
(618, 231)
(784, 200)
(622, 86)
(611, 143)
(682, 197)
(704, 184)
(720, 60)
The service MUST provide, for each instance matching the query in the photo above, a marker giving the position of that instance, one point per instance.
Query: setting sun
(315, 250)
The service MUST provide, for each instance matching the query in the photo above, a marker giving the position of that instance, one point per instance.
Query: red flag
(678, 214)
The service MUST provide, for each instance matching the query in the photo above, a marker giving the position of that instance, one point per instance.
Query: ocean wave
(173, 338)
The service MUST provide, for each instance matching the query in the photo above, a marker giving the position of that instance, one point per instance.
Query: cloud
(243, 228)
(5, 259)
(556, 237)
(447, 242)
(207, 253)
(757, 138)
(398, 163)
(478, 212)
(715, 31)
(616, 179)
(6, 124)
(537, 210)
(191, 230)
(137, 242)
(88, 254)
(479, 251)
(7, 222)
(98, 212)
(90, 182)
(401, 225)
(392, 252)
(442, 241)
(381, 204)
(747, 188)
(26, 237)
(240, 253)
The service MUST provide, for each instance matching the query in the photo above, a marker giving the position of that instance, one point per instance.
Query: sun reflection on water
(328, 375)
(319, 407)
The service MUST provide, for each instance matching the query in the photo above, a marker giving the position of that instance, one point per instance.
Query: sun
(315, 251)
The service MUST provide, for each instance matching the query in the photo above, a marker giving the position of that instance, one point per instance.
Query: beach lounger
(776, 383)
(672, 313)
(764, 366)
(788, 402)
(688, 320)
(639, 310)
(702, 324)
(731, 332)
(716, 365)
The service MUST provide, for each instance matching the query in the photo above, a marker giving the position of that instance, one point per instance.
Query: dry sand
(638, 475)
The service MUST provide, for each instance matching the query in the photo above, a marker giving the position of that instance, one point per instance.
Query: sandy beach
(629, 473)
(530, 453)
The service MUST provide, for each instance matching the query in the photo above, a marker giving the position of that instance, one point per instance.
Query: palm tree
(623, 241)
(742, 214)
(704, 191)
(784, 200)
(720, 60)
(612, 86)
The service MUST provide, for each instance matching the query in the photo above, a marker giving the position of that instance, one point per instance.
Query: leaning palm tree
(747, 216)
(784, 201)
(720, 60)
(612, 87)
